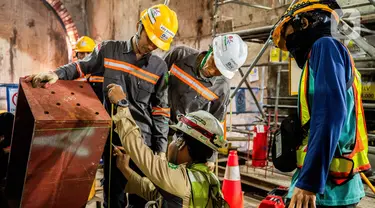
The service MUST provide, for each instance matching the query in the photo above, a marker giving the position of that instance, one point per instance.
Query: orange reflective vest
(342, 167)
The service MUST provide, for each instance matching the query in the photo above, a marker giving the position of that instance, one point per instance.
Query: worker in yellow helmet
(84, 47)
(141, 74)
(330, 131)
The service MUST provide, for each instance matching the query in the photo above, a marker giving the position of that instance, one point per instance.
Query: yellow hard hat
(85, 44)
(298, 8)
(161, 25)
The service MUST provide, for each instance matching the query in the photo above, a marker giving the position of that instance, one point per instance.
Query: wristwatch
(123, 103)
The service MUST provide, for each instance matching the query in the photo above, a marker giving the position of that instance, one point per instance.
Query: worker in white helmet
(200, 80)
(182, 181)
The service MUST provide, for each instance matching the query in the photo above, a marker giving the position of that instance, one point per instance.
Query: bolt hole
(52, 92)
(97, 113)
(81, 86)
(72, 93)
(78, 104)
(46, 112)
(58, 104)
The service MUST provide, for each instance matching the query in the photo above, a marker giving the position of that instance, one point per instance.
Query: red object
(232, 190)
(272, 201)
(259, 156)
(58, 138)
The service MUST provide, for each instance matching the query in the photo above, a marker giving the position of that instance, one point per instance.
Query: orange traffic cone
(232, 190)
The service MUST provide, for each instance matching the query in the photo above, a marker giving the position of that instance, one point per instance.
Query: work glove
(43, 79)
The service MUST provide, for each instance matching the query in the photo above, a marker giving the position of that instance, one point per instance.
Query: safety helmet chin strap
(205, 58)
(138, 34)
(178, 143)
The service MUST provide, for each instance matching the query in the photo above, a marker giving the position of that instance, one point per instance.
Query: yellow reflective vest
(344, 166)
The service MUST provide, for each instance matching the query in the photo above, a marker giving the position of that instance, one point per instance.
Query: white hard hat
(230, 53)
(202, 126)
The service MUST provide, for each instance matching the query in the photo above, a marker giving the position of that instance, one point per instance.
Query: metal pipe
(356, 5)
(262, 86)
(243, 124)
(214, 18)
(242, 131)
(369, 105)
(366, 69)
(238, 139)
(243, 112)
(253, 96)
(282, 98)
(364, 59)
(257, 58)
(265, 46)
(265, 29)
(270, 64)
(277, 91)
(280, 106)
(244, 3)
(345, 29)
(365, 105)
(280, 116)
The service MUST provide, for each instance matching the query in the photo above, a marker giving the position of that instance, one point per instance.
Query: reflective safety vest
(343, 167)
(201, 179)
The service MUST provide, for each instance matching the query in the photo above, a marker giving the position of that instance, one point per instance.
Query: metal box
(58, 138)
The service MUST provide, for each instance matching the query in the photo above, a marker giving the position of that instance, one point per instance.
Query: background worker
(183, 181)
(6, 129)
(335, 149)
(83, 48)
(200, 80)
(142, 76)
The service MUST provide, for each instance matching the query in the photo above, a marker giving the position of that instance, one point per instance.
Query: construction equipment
(275, 198)
(58, 138)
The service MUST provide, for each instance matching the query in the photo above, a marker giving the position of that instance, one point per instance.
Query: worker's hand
(122, 161)
(210, 165)
(43, 79)
(115, 93)
(302, 199)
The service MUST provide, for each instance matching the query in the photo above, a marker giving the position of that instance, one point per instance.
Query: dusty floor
(367, 202)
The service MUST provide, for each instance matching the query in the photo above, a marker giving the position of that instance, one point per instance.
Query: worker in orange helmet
(141, 74)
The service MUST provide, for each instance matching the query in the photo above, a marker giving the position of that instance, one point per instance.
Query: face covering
(300, 42)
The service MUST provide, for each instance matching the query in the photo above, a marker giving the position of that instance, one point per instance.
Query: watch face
(123, 103)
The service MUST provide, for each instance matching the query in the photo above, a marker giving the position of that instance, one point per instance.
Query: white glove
(42, 79)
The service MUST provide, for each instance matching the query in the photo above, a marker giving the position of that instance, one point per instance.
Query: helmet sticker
(167, 31)
(83, 44)
(155, 12)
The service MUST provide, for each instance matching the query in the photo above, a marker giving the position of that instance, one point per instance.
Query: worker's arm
(160, 114)
(219, 106)
(177, 54)
(330, 62)
(141, 186)
(90, 64)
(171, 178)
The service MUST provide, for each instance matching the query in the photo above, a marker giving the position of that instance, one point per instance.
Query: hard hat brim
(277, 37)
(223, 70)
(208, 144)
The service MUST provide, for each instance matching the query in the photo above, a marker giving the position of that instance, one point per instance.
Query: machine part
(252, 95)
(58, 138)
(259, 156)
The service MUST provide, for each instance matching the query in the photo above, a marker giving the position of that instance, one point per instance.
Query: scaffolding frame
(360, 42)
